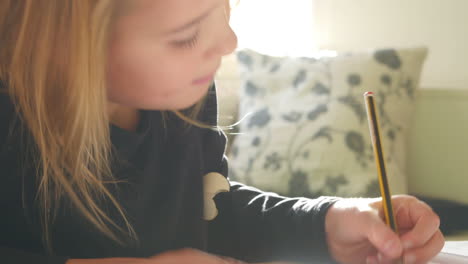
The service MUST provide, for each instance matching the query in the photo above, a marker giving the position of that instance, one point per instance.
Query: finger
(189, 255)
(379, 259)
(403, 206)
(229, 260)
(427, 252)
(372, 260)
(426, 224)
(383, 238)
(384, 260)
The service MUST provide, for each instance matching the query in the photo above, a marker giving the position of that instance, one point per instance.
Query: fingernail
(379, 258)
(410, 259)
(407, 245)
(371, 260)
(390, 246)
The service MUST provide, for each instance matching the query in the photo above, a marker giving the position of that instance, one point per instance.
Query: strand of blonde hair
(61, 98)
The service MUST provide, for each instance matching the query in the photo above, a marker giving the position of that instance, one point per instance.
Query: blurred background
(302, 27)
(436, 146)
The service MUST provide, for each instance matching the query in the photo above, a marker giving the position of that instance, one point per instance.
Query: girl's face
(164, 53)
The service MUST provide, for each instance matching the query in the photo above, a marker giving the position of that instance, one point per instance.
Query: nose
(230, 43)
(224, 45)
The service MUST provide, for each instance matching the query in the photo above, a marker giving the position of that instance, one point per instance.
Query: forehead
(167, 13)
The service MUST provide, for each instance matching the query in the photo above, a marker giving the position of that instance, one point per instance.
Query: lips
(205, 79)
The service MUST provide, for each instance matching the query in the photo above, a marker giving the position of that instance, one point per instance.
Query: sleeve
(257, 226)
(10, 255)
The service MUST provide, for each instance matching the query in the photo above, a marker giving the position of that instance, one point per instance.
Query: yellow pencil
(380, 160)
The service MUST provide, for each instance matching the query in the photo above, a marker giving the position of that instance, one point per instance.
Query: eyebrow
(192, 22)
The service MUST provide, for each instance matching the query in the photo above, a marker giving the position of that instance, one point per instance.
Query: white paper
(454, 252)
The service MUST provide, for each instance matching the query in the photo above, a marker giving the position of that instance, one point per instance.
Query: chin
(188, 100)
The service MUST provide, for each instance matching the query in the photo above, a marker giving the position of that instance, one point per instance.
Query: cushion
(305, 130)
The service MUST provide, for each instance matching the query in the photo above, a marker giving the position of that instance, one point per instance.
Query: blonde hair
(61, 98)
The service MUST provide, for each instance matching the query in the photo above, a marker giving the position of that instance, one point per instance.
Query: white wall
(275, 27)
(438, 145)
(442, 25)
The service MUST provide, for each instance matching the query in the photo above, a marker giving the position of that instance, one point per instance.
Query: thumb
(383, 238)
(229, 260)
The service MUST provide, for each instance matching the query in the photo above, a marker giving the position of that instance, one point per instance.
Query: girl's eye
(187, 43)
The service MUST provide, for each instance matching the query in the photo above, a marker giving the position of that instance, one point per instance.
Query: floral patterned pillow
(305, 131)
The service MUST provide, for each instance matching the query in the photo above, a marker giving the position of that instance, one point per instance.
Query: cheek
(148, 77)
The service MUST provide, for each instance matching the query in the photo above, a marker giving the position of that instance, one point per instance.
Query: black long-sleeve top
(162, 169)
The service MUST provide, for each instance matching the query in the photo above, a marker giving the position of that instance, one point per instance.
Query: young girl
(105, 142)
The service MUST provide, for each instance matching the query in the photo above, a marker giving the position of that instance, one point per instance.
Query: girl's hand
(357, 233)
(182, 256)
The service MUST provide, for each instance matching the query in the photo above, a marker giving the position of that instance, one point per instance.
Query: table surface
(462, 236)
